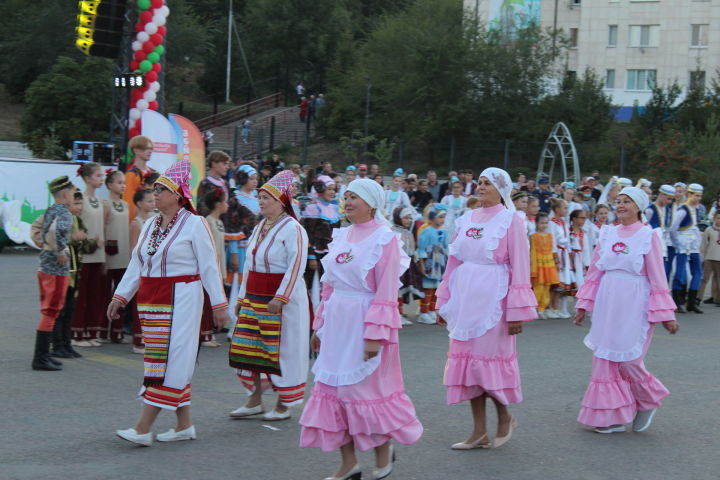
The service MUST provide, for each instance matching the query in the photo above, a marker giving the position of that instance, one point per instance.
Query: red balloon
(156, 3)
(151, 76)
(136, 94)
(157, 67)
(146, 16)
(139, 27)
(140, 56)
(133, 132)
(162, 30)
(156, 39)
(148, 47)
(134, 65)
(153, 105)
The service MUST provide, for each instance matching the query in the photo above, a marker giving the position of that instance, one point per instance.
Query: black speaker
(100, 27)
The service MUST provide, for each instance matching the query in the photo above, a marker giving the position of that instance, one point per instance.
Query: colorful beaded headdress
(177, 179)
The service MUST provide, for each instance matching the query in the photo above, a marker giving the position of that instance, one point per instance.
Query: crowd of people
(319, 263)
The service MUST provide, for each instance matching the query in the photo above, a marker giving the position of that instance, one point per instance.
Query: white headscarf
(372, 193)
(603, 200)
(640, 198)
(501, 180)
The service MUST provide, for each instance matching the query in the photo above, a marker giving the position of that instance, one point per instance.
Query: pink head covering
(177, 179)
(326, 180)
(280, 188)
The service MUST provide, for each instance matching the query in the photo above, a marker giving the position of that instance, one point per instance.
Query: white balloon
(143, 37)
(136, 45)
(150, 28)
(142, 105)
(165, 10)
(150, 96)
(135, 113)
(158, 20)
(155, 87)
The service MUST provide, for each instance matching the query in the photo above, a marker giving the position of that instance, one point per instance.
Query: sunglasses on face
(159, 189)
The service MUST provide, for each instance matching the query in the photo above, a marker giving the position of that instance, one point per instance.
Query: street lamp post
(367, 116)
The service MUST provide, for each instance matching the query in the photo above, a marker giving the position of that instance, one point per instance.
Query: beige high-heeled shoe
(479, 443)
(500, 441)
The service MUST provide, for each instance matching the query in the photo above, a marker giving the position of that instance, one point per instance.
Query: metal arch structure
(560, 146)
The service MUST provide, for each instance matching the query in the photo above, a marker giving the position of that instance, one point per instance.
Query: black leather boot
(58, 347)
(677, 298)
(66, 315)
(709, 300)
(692, 303)
(41, 358)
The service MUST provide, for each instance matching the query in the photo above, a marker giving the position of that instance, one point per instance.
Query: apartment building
(633, 44)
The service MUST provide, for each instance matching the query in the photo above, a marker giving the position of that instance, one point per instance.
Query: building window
(644, 35)
(699, 37)
(697, 79)
(643, 80)
(610, 79)
(573, 42)
(612, 35)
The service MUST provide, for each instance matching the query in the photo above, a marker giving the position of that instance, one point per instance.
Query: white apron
(619, 319)
(479, 284)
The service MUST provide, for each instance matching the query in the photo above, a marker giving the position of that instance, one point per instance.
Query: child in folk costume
(561, 236)
(659, 216)
(533, 208)
(686, 239)
(215, 201)
(710, 251)
(144, 201)
(79, 245)
(173, 263)
(543, 264)
(432, 253)
(88, 315)
(579, 248)
(359, 400)
(627, 292)
(117, 245)
(53, 273)
(270, 341)
(490, 250)
(456, 204)
(412, 279)
(600, 217)
(135, 178)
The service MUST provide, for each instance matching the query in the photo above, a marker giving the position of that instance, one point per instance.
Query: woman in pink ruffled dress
(359, 398)
(484, 298)
(627, 291)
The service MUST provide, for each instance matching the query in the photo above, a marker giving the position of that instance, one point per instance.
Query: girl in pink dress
(627, 291)
(484, 297)
(359, 398)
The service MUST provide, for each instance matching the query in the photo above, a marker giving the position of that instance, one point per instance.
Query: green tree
(32, 36)
(70, 102)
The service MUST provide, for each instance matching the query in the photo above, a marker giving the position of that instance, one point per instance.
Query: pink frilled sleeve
(382, 320)
(661, 306)
(586, 293)
(325, 294)
(521, 301)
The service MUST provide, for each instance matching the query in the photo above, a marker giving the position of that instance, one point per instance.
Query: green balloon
(143, 4)
(153, 57)
(145, 66)
(159, 50)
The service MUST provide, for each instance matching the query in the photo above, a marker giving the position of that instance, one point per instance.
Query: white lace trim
(616, 356)
(336, 379)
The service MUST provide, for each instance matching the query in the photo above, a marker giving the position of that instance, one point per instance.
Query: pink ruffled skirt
(368, 413)
(486, 364)
(618, 390)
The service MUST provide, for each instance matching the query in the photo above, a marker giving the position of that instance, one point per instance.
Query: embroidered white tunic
(284, 250)
(187, 250)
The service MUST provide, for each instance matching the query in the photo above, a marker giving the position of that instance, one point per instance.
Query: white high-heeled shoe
(353, 474)
(385, 471)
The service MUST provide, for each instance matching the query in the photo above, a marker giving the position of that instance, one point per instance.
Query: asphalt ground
(60, 425)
